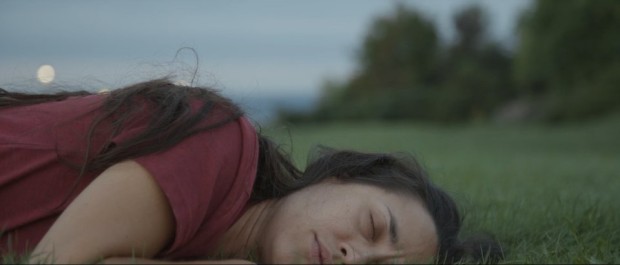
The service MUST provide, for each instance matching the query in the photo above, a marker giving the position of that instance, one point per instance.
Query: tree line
(564, 66)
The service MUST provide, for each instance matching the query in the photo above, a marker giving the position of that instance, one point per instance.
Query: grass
(548, 193)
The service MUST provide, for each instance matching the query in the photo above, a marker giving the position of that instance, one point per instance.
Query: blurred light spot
(181, 83)
(104, 91)
(46, 74)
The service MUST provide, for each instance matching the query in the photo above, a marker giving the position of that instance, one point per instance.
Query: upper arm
(123, 212)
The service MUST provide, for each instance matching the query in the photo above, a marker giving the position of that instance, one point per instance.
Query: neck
(240, 240)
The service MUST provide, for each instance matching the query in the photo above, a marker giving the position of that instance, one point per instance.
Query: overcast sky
(247, 48)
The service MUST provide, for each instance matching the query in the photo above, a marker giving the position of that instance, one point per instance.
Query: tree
(405, 73)
(396, 63)
(568, 57)
(475, 72)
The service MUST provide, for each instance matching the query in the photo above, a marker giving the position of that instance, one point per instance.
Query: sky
(246, 49)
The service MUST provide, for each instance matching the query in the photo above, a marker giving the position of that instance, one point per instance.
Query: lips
(320, 254)
(315, 251)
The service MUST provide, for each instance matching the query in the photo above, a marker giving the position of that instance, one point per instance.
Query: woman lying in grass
(156, 171)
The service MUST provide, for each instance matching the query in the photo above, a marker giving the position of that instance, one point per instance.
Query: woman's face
(334, 222)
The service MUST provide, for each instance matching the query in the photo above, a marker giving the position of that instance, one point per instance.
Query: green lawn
(548, 193)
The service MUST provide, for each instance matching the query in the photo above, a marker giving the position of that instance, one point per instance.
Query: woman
(156, 171)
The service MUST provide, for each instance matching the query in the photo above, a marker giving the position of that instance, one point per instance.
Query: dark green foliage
(569, 55)
(406, 73)
(476, 73)
(397, 64)
(566, 66)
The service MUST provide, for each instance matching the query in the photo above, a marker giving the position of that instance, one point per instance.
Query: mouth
(321, 254)
(315, 251)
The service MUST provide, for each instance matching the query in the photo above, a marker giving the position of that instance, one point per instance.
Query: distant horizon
(272, 48)
(261, 108)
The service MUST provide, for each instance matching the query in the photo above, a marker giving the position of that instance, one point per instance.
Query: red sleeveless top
(207, 178)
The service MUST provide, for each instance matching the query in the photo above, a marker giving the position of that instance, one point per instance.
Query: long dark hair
(173, 119)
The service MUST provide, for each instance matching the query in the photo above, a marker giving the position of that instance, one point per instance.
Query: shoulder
(207, 179)
(89, 228)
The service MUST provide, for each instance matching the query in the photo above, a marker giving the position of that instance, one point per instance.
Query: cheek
(304, 211)
(286, 245)
(282, 239)
(291, 232)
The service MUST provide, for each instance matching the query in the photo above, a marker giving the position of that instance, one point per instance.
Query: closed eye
(372, 225)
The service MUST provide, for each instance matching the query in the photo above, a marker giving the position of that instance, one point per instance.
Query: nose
(348, 254)
(360, 254)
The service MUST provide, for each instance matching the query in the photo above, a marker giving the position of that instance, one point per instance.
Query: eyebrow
(393, 228)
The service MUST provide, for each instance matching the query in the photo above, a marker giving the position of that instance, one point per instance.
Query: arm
(123, 212)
